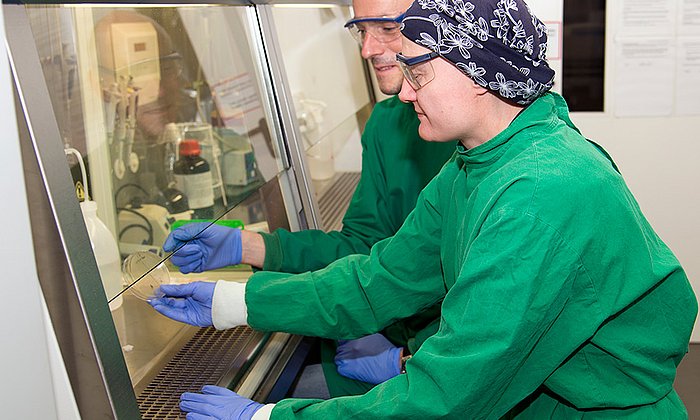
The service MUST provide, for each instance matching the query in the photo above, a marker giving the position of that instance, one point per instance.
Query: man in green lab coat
(396, 165)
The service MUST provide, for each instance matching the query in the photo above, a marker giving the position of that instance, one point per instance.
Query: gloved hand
(189, 303)
(372, 359)
(219, 403)
(213, 247)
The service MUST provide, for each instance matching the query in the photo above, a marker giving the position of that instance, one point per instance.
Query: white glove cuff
(264, 412)
(228, 307)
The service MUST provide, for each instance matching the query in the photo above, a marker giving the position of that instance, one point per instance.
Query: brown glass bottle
(193, 177)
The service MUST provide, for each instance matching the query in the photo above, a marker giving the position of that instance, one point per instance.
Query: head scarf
(500, 44)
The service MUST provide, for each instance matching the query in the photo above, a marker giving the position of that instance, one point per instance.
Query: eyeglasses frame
(406, 62)
(397, 19)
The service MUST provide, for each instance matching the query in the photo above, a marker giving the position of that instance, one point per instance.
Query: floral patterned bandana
(500, 44)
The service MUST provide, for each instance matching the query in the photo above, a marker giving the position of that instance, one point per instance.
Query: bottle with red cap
(193, 177)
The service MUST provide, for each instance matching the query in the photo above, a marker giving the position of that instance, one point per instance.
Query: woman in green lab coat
(558, 298)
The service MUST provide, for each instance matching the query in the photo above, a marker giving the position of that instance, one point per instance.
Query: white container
(321, 160)
(106, 253)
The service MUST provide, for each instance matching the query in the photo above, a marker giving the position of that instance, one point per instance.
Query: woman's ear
(480, 90)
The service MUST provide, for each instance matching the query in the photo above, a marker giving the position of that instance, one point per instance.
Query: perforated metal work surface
(334, 201)
(205, 359)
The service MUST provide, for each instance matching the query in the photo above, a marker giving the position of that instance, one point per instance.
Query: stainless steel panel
(67, 270)
(288, 117)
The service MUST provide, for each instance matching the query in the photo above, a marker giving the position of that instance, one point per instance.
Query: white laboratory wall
(66, 406)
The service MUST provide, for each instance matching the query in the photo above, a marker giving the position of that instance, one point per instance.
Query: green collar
(546, 110)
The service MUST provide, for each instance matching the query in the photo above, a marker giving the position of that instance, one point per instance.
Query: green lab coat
(396, 165)
(558, 298)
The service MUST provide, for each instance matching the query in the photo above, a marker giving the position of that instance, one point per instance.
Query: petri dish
(145, 272)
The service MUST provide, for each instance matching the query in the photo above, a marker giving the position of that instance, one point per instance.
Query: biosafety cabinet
(138, 118)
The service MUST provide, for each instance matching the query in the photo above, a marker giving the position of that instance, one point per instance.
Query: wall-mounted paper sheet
(687, 76)
(647, 17)
(644, 77)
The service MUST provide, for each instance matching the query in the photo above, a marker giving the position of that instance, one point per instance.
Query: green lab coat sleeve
(367, 221)
(359, 294)
(508, 296)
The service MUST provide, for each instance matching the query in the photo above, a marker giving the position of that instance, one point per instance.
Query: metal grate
(335, 201)
(203, 360)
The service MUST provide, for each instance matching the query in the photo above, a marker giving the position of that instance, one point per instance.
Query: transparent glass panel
(165, 118)
(327, 81)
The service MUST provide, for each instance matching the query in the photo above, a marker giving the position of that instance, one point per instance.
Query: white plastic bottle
(106, 252)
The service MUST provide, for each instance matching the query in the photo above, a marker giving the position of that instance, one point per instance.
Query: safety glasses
(383, 29)
(417, 70)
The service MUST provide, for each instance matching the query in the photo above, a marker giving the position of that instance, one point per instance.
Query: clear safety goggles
(417, 70)
(383, 29)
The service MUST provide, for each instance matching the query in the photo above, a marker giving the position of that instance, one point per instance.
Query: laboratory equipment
(144, 273)
(240, 167)
(319, 150)
(103, 243)
(210, 151)
(193, 177)
(172, 136)
(130, 52)
(239, 164)
(128, 143)
(143, 227)
(121, 110)
(106, 252)
(144, 220)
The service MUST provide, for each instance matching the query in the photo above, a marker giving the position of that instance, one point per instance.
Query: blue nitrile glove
(214, 247)
(219, 403)
(372, 359)
(189, 303)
